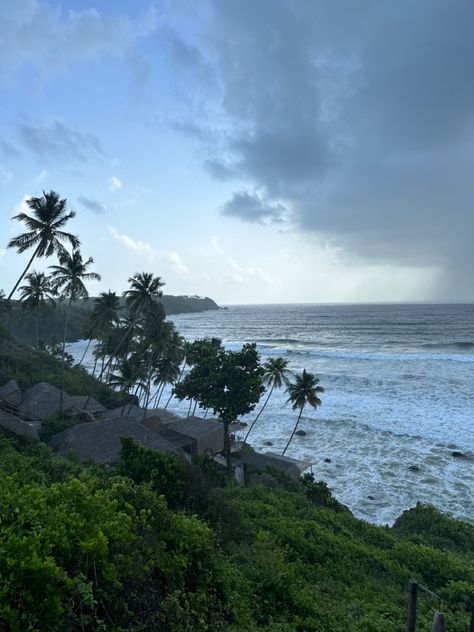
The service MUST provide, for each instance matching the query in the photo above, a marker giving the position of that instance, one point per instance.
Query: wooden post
(438, 622)
(412, 594)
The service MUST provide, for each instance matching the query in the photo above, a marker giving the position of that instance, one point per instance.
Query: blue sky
(276, 151)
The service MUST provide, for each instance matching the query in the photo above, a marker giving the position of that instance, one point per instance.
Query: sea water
(398, 400)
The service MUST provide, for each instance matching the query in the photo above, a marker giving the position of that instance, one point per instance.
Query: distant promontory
(187, 304)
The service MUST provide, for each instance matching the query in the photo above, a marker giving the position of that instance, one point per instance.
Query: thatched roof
(157, 418)
(130, 410)
(99, 441)
(11, 393)
(42, 400)
(196, 427)
(260, 461)
(13, 425)
(93, 406)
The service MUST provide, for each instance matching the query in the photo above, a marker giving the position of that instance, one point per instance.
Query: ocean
(398, 400)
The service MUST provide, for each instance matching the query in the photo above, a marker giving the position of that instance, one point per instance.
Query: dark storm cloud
(359, 116)
(251, 207)
(56, 140)
(92, 205)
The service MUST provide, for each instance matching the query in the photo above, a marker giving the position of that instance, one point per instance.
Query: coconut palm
(275, 375)
(144, 293)
(37, 293)
(45, 234)
(142, 298)
(156, 337)
(103, 318)
(130, 372)
(304, 391)
(69, 277)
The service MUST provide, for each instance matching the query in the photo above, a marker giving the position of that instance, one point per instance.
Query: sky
(255, 152)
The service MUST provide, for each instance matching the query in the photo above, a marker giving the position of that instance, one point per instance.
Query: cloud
(252, 207)
(42, 175)
(171, 259)
(41, 36)
(92, 205)
(357, 117)
(55, 140)
(115, 184)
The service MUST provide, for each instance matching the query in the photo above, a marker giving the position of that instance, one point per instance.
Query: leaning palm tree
(142, 298)
(69, 277)
(37, 293)
(276, 374)
(304, 391)
(45, 234)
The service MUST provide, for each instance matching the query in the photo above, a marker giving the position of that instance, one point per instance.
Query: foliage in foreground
(160, 544)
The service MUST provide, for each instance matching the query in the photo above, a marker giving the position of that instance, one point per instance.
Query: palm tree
(130, 372)
(102, 319)
(141, 298)
(304, 391)
(143, 293)
(38, 292)
(44, 229)
(69, 277)
(276, 374)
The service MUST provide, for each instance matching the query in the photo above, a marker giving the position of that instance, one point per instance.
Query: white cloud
(34, 33)
(114, 183)
(170, 259)
(42, 175)
(216, 243)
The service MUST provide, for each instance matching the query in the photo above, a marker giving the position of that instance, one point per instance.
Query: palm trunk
(84, 354)
(169, 399)
(161, 393)
(227, 447)
(36, 326)
(195, 406)
(190, 406)
(294, 430)
(260, 412)
(61, 394)
(24, 272)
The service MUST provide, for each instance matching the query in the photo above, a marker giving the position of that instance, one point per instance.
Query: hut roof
(99, 441)
(42, 400)
(13, 425)
(195, 426)
(261, 460)
(11, 393)
(93, 406)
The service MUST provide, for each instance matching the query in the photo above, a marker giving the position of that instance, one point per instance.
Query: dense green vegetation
(29, 366)
(159, 544)
(22, 323)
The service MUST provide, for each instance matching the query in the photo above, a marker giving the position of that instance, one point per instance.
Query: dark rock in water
(268, 443)
(371, 497)
(414, 468)
(458, 455)
(327, 460)
(300, 433)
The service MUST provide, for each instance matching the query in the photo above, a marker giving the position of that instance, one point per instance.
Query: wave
(461, 345)
(384, 357)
